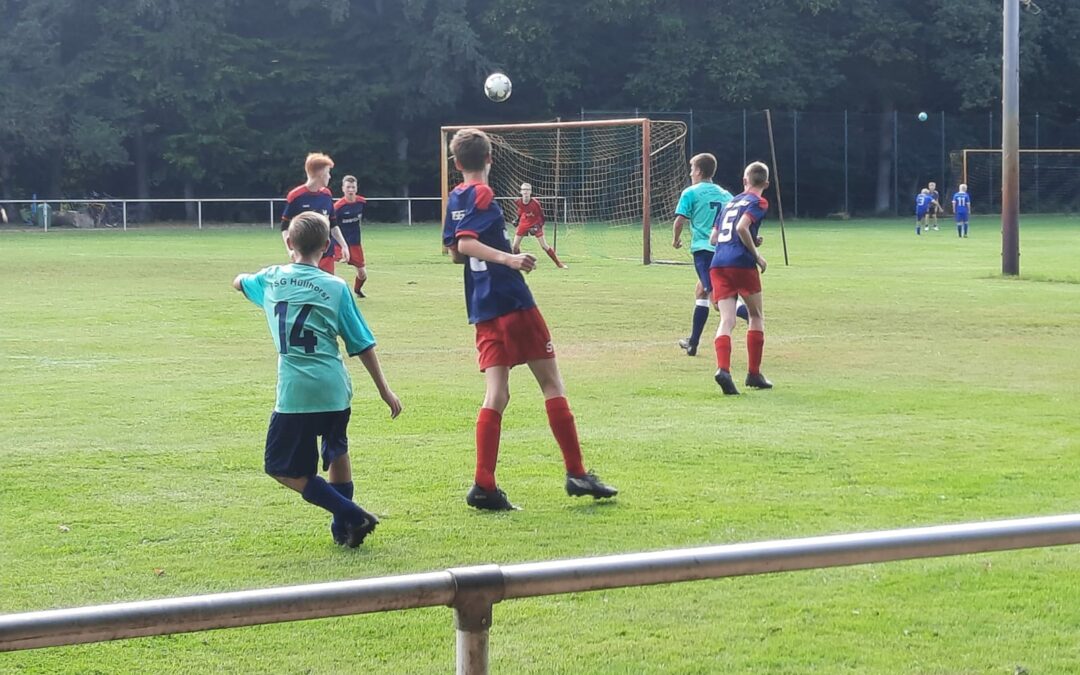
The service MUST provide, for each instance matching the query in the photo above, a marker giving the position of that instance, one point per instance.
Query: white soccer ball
(497, 87)
(923, 117)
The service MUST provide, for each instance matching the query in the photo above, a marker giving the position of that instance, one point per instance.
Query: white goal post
(602, 173)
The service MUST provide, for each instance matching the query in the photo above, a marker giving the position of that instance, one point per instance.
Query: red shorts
(727, 282)
(526, 230)
(356, 255)
(513, 339)
(326, 264)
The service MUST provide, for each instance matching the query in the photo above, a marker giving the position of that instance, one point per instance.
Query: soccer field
(914, 386)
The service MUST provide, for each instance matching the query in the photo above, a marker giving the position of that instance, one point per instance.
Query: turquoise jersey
(307, 310)
(700, 203)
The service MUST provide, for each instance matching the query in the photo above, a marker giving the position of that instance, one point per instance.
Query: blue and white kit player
(699, 205)
(961, 205)
(923, 202)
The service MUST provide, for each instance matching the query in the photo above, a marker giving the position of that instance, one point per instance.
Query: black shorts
(702, 262)
(291, 449)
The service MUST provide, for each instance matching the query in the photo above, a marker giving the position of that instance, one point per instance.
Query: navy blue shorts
(291, 448)
(702, 261)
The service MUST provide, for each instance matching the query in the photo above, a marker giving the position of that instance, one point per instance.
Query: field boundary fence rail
(121, 213)
(473, 591)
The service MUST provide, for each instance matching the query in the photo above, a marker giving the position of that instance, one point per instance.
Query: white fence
(95, 208)
(472, 591)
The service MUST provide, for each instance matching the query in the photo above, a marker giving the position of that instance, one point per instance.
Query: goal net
(609, 186)
(1049, 179)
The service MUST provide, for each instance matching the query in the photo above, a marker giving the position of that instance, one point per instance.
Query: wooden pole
(776, 184)
(646, 192)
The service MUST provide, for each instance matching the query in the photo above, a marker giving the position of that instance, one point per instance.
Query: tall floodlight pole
(1010, 140)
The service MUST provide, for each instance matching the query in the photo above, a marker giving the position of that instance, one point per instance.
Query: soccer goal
(1049, 179)
(607, 179)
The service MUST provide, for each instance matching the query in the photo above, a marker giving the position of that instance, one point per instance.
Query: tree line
(166, 98)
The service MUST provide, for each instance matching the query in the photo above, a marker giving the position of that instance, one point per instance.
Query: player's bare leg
(755, 343)
(722, 345)
(579, 482)
(550, 251)
(485, 494)
(515, 248)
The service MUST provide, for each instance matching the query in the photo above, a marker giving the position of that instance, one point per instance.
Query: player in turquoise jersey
(307, 310)
(699, 205)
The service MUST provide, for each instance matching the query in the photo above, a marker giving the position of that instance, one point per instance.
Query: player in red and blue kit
(350, 213)
(961, 204)
(314, 195)
(924, 201)
(509, 327)
(734, 273)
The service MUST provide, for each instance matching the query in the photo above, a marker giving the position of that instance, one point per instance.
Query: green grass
(915, 386)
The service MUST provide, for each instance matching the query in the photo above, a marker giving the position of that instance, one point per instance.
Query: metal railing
(472, 591)
(52, 206)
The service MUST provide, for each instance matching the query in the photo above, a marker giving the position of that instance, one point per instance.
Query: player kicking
(314, 195)
(350, 212)
(699, 204)
(531, 221)
(935, 206)
(961, 206)
(923, 200)
(307, 310)
(734, 273)
(509, 327)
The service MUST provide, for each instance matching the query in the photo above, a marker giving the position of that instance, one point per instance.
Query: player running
(314, 195)
(699, 205)
(307, 311)
(531, 222)
(734, 273)
(509, 327)
(350, 213)
(961, 205)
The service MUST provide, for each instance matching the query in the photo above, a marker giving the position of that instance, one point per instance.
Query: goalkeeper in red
(531, 221)
(510, 330)
(734, 273)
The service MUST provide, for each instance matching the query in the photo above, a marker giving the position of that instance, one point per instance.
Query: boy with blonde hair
(314, 195)
(307, 311)
(734, 273)
(509, 327)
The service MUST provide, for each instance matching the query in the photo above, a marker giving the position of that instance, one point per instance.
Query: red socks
(554, 258)
(488, 430)
(755, 342)
(565, 431)
(723, 352)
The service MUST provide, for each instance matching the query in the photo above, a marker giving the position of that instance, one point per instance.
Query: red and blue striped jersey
(491, 290)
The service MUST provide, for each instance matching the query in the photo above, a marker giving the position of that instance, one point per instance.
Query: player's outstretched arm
(236, 282)
(371, 363)
(474, 248)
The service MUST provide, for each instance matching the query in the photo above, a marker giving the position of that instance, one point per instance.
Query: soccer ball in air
(497, 87)
(922, 117)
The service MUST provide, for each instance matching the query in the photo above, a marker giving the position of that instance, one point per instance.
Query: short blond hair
(705, 163)
(757, 174)
(316, 162)
(309, 233)
(349, 179)
(471, 148)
